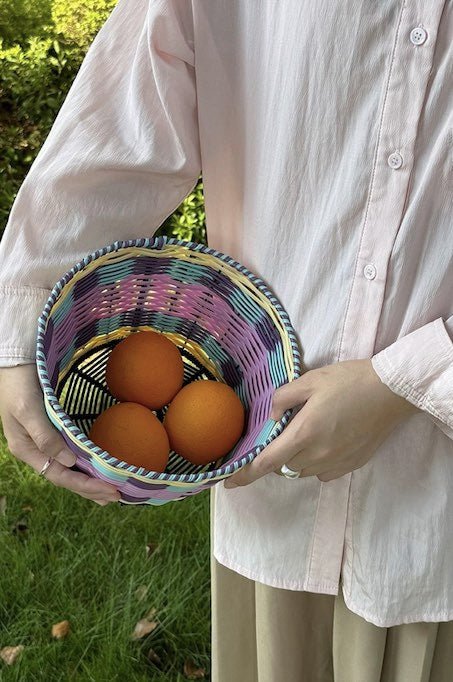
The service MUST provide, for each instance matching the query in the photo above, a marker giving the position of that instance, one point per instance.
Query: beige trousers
(266, 634)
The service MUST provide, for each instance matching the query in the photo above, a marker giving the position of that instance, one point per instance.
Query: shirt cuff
(20, 308)
(419, 367)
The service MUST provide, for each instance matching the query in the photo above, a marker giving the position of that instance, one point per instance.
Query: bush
(20, 19)
(79, 20)
(35, 76)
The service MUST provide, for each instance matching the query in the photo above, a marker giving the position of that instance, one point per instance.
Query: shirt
(324, 132)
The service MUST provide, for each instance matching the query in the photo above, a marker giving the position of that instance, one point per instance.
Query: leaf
(152, 614)
(154, 658)
(27, 508)
(141, 592)
(2, 505)
(143, 628)
(191, 671)
(151, 547)
(61, 630)
(9, 654)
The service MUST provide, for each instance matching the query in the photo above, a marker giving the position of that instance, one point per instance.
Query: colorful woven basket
(226, 323)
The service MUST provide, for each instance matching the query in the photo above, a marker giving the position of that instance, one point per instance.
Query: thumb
(293, 394)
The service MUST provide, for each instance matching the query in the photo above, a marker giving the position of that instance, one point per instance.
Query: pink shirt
(325, 135)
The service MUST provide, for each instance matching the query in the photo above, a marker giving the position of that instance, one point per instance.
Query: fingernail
(230, 484)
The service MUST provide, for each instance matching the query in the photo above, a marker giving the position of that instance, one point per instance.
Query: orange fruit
(131, 432)
(145, 368)
(204, 421)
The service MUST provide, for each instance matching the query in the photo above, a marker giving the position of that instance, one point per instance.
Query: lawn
(103, 569)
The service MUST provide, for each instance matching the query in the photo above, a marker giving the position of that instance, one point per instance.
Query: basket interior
(225, 326)
(83, 394)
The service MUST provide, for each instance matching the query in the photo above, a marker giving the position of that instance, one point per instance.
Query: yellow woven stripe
(192, 346)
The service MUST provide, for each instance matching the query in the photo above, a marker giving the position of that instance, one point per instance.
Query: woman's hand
(346, 413)
(32, 438)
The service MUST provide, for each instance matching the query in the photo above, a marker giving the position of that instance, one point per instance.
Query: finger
(60, 475)
(82, 484)
(290, 395)
(278, 452)
(46, 437)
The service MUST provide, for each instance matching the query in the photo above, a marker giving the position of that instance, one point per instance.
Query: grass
(84, 563)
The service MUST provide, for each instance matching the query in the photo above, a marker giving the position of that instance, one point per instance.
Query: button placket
(390, 177)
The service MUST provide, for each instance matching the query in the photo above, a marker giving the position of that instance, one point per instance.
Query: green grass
(82, 562)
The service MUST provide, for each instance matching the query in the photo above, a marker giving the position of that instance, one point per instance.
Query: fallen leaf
(141, 592)
(191, 671)
(154, 658)
(151, 548)
(9, 654)
(143, 627)
(27, 508)
(152, 614)
(2, 505)
(61, 630)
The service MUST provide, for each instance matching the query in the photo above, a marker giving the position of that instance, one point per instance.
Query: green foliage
(188, 221)
(20, 19)
(36, 72)
(80, 20)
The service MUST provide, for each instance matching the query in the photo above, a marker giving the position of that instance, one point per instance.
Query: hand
(32, 438)
(347, 412)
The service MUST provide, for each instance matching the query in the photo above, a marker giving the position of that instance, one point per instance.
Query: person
(324, 135)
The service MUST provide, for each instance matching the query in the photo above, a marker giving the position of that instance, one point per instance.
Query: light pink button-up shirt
(325, 134)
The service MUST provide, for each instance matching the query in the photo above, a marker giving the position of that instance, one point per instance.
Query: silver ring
(46, 466)
(289, 473)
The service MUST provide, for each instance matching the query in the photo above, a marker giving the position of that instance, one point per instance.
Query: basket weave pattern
(226, 323)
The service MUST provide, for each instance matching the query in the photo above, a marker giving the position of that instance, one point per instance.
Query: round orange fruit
(204, 421)
(131, 432)
(145, 368)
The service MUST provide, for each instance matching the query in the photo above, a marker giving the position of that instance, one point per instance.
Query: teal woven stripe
(109, 324)
(67, 357)
(186, 272)
(60, 314)
(266, 431)
(276, 363)
(166, 322)
(250, 311)
(110, 272)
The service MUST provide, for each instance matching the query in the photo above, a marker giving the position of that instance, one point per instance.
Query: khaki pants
(266, 634)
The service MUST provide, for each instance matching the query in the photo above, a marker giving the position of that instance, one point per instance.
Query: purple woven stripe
(86, 285)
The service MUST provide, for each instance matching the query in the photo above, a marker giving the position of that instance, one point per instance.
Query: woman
(323, 131)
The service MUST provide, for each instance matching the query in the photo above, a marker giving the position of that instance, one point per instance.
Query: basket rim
(140, 472)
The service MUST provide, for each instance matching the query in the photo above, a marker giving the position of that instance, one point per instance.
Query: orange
(204, 421)
(145, 368)
(131, 432)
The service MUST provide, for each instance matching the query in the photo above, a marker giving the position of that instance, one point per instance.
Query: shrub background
(42, 45)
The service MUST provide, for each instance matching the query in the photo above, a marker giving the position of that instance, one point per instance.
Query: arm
(419, 367)
(122, 154)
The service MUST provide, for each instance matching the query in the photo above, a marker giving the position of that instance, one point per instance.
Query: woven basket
(226, 323)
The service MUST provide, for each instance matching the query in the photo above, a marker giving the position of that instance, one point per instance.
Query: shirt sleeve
(419, 367)
(121, 156)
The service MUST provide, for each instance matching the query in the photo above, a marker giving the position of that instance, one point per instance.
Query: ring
(289, 473)
(46, 466)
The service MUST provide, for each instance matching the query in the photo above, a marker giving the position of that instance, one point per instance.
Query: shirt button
(369, 271)
(418, 35)
(395, 160)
